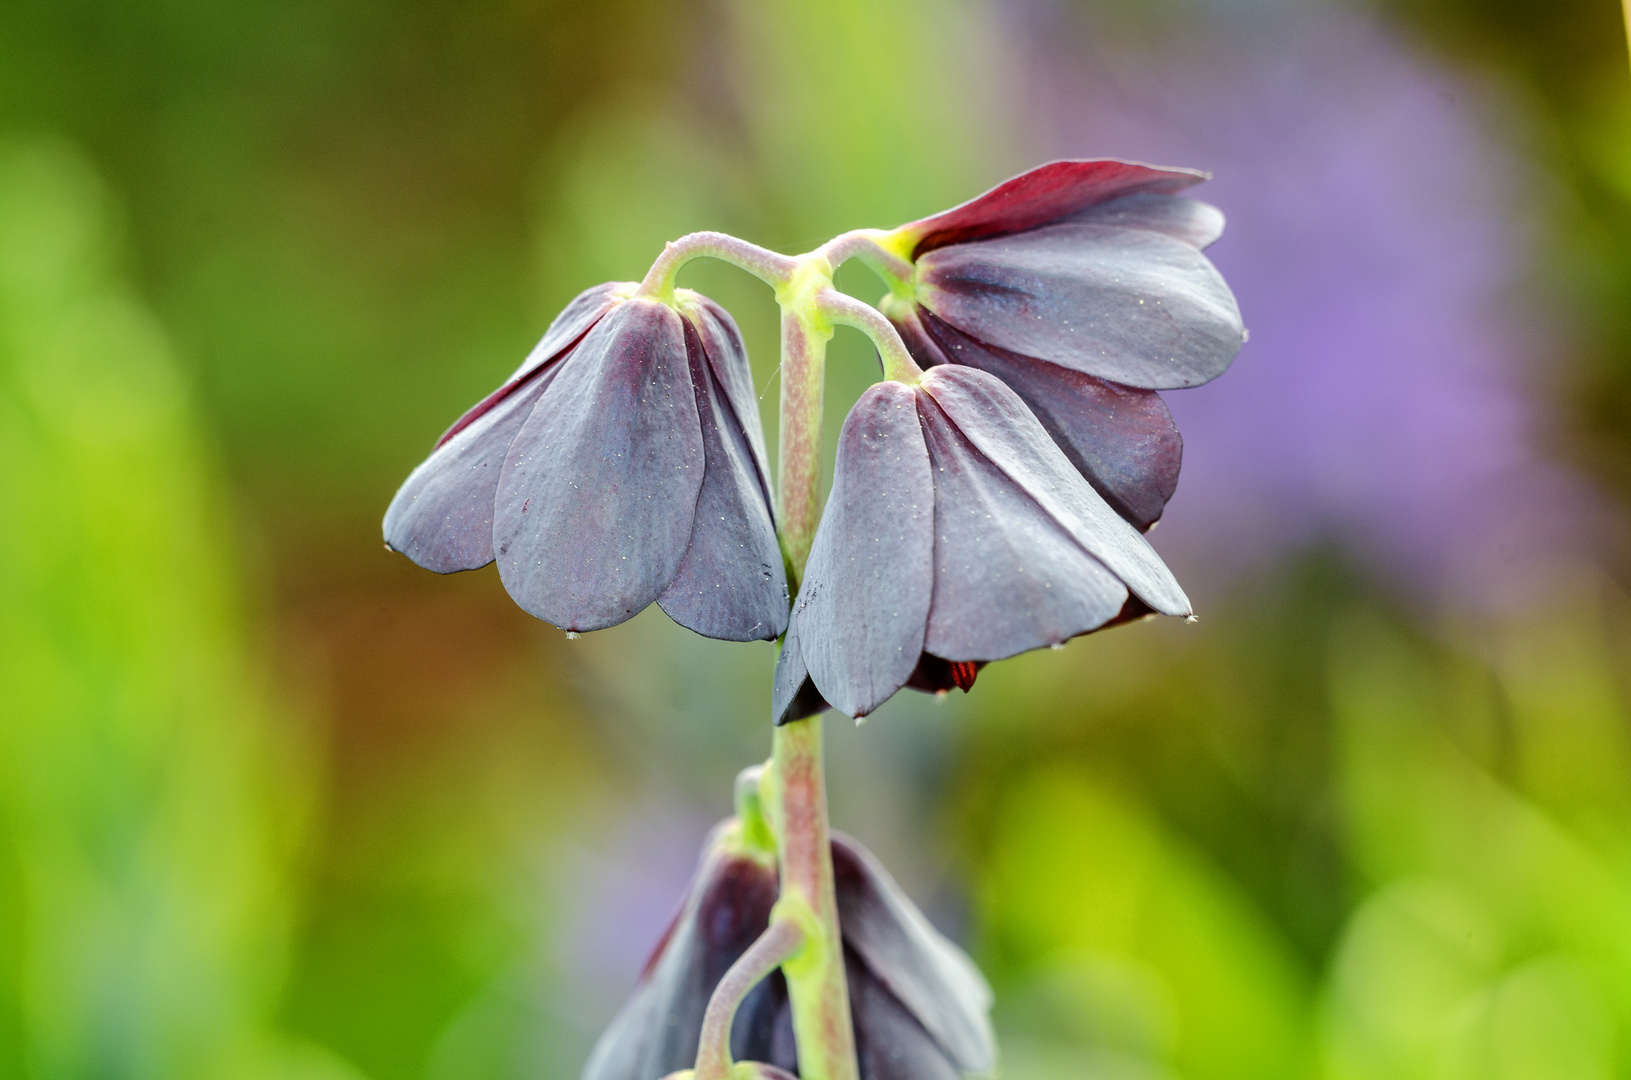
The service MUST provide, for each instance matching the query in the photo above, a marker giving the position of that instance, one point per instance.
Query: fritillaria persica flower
(1081, 284)
(623, 463)
(956, 533)
(919, 1004)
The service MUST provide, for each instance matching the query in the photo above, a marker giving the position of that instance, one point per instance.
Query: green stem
(816, 984)
(867, 245)
(798, 460)
(848, 311)
(780, 941)
(774, 269)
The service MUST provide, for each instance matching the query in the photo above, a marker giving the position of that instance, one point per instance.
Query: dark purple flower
(1081, 284)
(919, 1004)
(623, 463)
(956, 533)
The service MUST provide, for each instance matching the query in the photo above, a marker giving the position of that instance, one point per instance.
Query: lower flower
(918, 1002)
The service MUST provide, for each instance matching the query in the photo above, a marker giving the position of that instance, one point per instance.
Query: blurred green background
(275, 803)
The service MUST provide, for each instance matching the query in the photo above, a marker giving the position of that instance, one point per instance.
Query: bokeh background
(276, 804)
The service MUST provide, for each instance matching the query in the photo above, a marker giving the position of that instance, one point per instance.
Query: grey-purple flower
(956, 533)
(622, 464)
(918, 1003)
(1081, 284)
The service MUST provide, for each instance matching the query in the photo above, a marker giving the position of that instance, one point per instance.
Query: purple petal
(1196, 223)
(726, 908)
(1045, 194)
(442, 516)
(889, 1041)
(934, 979)
(728, 355)
(571, 324)
(792, 695)
(1121, 439)
(1128, 305)
(997, 423)
(1007, 576)
(861, 613)
(598, 498)
(730, 584)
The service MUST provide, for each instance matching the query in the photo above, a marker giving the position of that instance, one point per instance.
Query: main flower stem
(798, 460)
(815, 977)
(795, 785)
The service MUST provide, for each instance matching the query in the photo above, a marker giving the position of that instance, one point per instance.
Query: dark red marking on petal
(1045, 194)
(569, 328)
(963, 674)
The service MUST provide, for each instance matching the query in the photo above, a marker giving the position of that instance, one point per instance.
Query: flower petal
(442, 516)
(730, 584)
(1121, 439)
(1128, 305)
(598, 498)
(1007, 577)
(934, 979)
(1044, 194)
(861, 613)
(726, 908)
(997, 423)
(889, 1041)
(1196, 223)
(792, 695)
(728, 355)
(571, 324)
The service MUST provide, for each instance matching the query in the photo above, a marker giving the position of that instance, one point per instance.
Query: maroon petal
(595, 509)
(936, 982)
(1196, 223)
(730, 584)
(571, 324)
(1045, 194)
(1129, 305)
(1121, 439)
(861, 612)
(442, 516)
(1007, 577)
(997, 423)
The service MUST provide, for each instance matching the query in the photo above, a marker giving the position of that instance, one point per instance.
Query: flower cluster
(991, 496)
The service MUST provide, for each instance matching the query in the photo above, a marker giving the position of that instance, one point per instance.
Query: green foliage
(146, 808)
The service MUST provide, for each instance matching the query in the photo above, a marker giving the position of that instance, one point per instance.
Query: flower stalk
(816, 984)
(775, 945)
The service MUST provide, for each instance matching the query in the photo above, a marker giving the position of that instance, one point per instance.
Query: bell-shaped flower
(623, 463)
(920, 1006)
(956, 533)
(1081, 284)
(726, 908)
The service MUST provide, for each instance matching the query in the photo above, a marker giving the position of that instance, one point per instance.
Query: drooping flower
(623, 463)
(918, 1003)
(956, 533)
(1081, 284)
